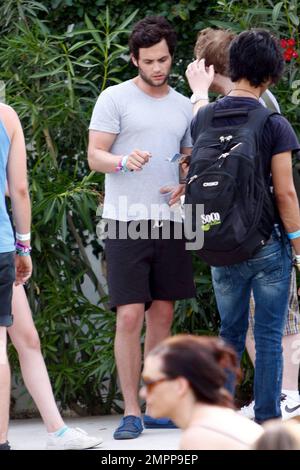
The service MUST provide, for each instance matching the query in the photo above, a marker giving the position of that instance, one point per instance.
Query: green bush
(54, 70)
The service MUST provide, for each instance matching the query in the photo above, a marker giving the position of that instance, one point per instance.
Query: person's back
(219, 428)
(212, 46)
(255, 62)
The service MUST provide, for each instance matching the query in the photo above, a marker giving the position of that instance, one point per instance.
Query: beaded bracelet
(122, 164)
(23, 250)
(119, 166)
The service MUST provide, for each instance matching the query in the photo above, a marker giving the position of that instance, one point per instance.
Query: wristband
(22, 250)
(197, 97)
(23, 237)
(119, 166)
(123, 163)
(293, 235)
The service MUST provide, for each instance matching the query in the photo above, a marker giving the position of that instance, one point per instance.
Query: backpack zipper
(223, 155)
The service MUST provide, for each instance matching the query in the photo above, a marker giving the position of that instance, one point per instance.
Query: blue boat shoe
(130, 428)
(158, 423)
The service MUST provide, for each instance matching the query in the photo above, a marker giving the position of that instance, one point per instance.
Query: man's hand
(177, 192)
(200, 77)
(184, 164)
(23, 269)
(137, 159)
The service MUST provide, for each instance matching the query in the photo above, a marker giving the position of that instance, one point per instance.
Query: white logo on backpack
(211, 183)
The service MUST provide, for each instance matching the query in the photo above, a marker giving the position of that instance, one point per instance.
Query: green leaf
(49, 211)
(294, 18)
(95, 33)
(259, 11)
(128, 20)
(276, 11)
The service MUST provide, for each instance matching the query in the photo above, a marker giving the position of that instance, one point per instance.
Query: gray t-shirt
(158, 125)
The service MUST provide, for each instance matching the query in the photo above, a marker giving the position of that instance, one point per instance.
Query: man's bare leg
(130, 319)
(159, 320)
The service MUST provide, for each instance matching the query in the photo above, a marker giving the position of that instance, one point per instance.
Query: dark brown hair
(213, 46)
(204, 362)
(150, 31)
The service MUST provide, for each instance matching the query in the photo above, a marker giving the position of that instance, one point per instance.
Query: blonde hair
(213, 46)
(279, 436)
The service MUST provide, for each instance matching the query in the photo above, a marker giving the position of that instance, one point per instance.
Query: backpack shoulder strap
(203, 118)
(257, 120)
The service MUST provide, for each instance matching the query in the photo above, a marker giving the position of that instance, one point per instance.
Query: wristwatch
(196, 97)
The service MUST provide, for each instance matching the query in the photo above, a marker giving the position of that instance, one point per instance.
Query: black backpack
(226, 175)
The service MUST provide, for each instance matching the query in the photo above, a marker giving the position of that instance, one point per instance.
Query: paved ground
(30, 434)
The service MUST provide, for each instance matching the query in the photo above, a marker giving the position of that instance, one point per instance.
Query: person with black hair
(256, 62)
(136, 128)
(210, 72)
(184, 377)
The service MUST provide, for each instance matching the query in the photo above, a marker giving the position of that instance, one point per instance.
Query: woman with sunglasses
(184, 378)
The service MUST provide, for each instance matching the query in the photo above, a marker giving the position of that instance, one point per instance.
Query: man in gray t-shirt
(136, 127)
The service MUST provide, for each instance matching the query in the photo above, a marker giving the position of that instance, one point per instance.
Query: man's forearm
(288, 208)
(103, 161)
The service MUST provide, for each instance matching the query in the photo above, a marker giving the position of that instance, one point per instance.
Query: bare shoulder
(7, 111)
(9, 117)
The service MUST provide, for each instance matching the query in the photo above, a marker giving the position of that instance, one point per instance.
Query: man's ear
(133, 60)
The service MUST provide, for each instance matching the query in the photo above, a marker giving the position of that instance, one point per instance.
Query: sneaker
(130, 428)
(289, 408)
(72, 439)
(158, 423)
(248, 410)
(5, 446)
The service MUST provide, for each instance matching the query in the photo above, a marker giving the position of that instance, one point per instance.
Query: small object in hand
(184, 163)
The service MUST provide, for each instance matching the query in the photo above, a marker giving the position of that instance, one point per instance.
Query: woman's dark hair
(150, 31)
(204, 362)
(256, 55)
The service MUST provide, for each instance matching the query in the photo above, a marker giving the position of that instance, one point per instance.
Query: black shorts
(143, 270)
(7, 278)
